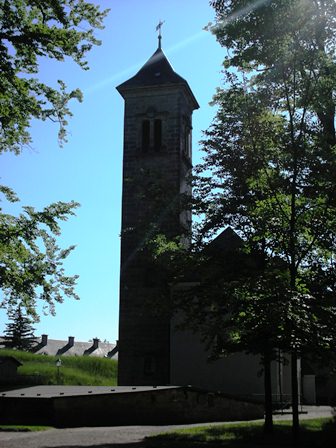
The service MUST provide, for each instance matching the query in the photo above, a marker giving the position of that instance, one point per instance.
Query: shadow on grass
(106, 445)
(319, 433)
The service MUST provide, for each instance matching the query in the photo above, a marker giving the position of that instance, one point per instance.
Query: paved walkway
(112, 437)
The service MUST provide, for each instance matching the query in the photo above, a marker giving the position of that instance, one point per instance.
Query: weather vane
(158, 28)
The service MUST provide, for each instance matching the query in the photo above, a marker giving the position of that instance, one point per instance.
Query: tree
(229, 299)
(269, 166)
(30, 261)
(233, 300)
(31, 30)
(19, 333)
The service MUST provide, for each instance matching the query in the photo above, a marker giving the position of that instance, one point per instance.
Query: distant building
(56, 347)
(8, 367)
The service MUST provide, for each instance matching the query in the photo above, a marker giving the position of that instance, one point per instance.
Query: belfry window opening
(151, 134)
(157, 134)
(145, 141)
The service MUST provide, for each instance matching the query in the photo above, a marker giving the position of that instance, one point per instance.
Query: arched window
(151, 134)
(187, 141)
(145, 140)
(157, 134)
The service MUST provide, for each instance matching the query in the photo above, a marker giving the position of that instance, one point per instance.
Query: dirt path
(117, 436)
(111, 437)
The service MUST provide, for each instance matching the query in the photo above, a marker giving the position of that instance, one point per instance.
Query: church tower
(156, 160)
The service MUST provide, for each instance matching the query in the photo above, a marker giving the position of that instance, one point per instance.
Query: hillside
(75, 370)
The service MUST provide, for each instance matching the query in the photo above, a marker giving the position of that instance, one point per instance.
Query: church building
(156, 160)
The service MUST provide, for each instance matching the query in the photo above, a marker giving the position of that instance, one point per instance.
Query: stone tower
(156, 159)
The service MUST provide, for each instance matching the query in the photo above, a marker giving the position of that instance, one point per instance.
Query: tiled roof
(157, 71)
(56, 347)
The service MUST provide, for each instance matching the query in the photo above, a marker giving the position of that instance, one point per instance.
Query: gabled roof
(226, 241)
(9, 359)
(157, 71)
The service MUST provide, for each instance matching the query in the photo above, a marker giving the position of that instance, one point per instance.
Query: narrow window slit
(157, 135)
(145, 135)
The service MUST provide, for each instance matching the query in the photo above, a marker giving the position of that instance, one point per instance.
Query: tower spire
(158, 28)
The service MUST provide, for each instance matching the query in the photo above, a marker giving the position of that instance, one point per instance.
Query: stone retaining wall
(150, 407)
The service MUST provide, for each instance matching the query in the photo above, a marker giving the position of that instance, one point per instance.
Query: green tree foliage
(269, 172)
(19, 333)
(31, 263)
(31, 30)
(234, 300)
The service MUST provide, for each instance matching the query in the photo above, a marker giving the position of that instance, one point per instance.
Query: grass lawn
(314, 433)
(75, 370)
(23, 428)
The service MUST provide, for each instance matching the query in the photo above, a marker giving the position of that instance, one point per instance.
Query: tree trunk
(279, 361)
(326, 113)
(268, 427)
(295, 398)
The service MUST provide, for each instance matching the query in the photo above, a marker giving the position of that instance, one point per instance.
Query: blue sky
(88, 169)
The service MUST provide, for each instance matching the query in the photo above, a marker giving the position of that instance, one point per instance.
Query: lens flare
(238, 14)
(177, 47)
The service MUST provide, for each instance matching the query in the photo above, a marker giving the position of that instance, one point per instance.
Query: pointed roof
(226, 241)
(157, 71)
(9, 359)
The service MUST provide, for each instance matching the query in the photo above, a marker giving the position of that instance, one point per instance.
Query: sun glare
(182, 44)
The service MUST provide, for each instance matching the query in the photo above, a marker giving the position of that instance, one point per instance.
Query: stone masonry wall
(151, 186)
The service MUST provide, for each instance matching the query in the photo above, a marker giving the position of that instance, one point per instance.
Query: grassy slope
(75, 370)
(317, 433)
(23, 428)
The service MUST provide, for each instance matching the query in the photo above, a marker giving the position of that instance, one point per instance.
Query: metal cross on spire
(158, 28)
